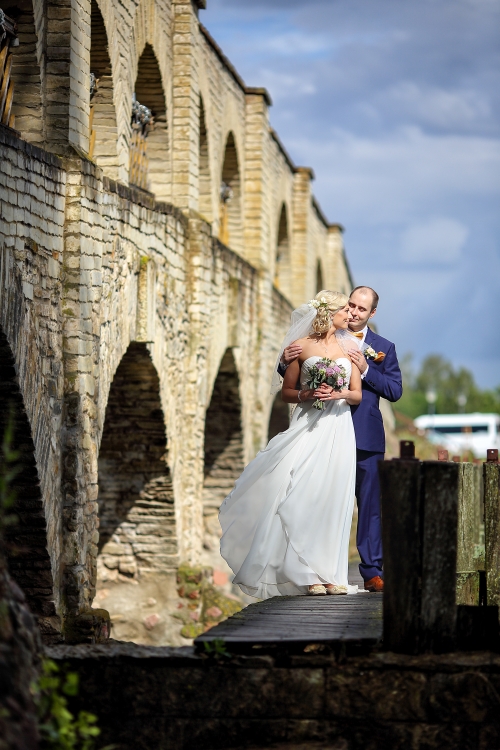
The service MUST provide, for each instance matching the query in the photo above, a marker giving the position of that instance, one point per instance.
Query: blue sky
(396, 106)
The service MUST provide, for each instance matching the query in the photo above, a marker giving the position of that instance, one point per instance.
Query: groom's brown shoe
(374, 584)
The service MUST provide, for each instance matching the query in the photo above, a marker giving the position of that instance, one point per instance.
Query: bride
(286, 523)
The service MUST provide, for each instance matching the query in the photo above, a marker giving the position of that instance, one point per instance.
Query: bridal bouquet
(326, 371)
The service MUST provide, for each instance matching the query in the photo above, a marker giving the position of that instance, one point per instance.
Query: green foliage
(59, 728)
(217, 649)
(438, 374)
(206, 605)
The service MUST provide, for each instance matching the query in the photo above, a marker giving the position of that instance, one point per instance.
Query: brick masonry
(140, 345)
(172, 698)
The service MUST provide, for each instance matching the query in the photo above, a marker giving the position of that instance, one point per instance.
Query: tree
(455, 390)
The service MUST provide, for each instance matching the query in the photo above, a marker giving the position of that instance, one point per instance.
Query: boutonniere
(372, 354)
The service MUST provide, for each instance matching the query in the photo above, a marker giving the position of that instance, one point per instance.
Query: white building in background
(460, 433)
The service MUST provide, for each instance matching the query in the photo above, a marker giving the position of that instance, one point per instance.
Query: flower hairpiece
(317, 303)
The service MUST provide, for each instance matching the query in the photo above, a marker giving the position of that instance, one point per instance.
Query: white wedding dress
(286, 523)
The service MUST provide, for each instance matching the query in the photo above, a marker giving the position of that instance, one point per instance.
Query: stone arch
(283, 261)
(26, 541)
(149, 92)
(204, 181)
(279, 419)
(224, 457)
(28, 69)
(319, 277)
(103, 127)
(136, 500)
(231, 229)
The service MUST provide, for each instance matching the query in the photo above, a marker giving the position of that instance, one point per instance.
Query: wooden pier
(353, 622)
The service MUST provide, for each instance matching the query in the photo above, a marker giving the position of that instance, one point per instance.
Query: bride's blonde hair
(333, 302)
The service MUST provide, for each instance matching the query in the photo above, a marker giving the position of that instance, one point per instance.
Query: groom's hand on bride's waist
(290, 354)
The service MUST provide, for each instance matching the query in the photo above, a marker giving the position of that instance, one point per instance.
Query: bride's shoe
(317, 590)
(336, 590)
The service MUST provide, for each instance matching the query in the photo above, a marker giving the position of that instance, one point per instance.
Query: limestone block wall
(32, 190)
(140, 328)
(129, 325)
(210, 127)
(223, 96)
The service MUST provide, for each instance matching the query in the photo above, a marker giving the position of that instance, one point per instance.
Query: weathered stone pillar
(258, 222)
(67, 88)
(334, 261)
(260, 236)
(188, 476)
(185, 102)
(302, 269)
(81, 291)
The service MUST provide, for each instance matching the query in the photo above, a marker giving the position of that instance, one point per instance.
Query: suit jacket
(383, 379)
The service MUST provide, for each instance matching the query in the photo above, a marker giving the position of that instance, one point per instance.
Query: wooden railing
(8, 39)
(442, 586)
(142, 123)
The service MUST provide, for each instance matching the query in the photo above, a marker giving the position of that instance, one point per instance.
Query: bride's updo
(330, 303)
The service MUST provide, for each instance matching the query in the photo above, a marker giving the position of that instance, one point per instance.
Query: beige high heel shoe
(336, 590)
(317, 590)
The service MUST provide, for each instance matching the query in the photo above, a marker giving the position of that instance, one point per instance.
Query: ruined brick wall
(32, 188)
(174, 698)
(138, 324)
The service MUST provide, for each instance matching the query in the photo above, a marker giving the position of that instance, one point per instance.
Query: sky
(395, 104)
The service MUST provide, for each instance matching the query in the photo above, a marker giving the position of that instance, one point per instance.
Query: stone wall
(32, 188)
(139, 329)
(165, 698)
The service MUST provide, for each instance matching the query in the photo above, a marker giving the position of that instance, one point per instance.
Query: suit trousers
(369, 532)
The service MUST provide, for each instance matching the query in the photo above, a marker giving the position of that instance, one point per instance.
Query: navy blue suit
(383, 379)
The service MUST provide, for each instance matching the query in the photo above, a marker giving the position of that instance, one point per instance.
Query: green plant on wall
(59, 728)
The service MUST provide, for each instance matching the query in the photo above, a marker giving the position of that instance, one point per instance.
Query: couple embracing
(287, 521)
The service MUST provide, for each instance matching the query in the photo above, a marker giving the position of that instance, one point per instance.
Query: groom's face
(360, 306)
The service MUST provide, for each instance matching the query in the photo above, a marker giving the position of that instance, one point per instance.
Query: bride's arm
(289, 392)
(355, 391)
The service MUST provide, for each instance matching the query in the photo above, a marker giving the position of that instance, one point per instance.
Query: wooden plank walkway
(300, 620)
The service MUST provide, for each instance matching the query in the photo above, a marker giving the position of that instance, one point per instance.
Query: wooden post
(469, 522)
(439, 487)
(401, 542)
(419, 535)
(491, 476)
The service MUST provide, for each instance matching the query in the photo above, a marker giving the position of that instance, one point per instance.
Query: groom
(381, 377)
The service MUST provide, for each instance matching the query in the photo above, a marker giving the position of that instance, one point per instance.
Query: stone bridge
(154, 237)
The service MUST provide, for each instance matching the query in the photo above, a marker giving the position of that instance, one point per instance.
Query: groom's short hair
(375, 297)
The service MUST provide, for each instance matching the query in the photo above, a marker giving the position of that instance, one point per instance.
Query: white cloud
(292, 43)
(395, 106)
(436, 106)
(438, 241)
(283, 86)
(398, 177)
